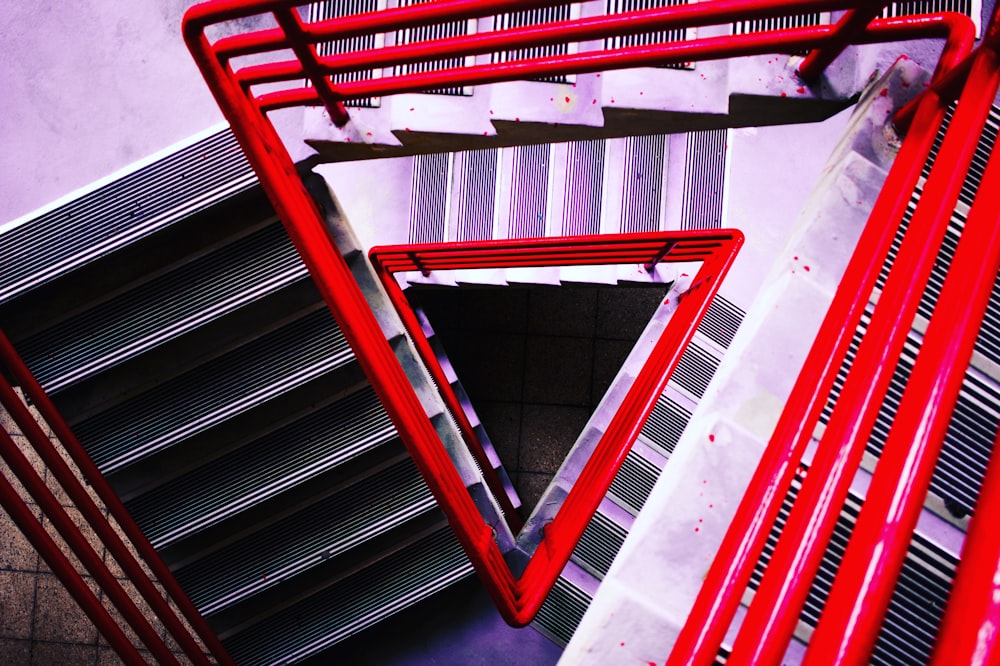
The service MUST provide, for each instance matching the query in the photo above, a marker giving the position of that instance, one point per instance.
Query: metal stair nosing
(173, 189)
(426, 563)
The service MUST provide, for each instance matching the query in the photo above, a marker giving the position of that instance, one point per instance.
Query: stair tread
(308, 538)
(258, 471)
(216, 391)
(191, 295)
(378, 591)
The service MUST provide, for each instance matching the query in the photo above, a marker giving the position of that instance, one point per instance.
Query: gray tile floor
(536, 361)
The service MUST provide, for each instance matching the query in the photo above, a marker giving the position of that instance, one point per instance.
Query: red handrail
(877, 548)
(716, 249)
(969, 633)
(517, 599)
(22, 376)
(849, 623)
(25, 520)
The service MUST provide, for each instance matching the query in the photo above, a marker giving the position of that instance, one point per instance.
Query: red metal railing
(95, 518)
(865, 579)
(234, 90)
(714, 249)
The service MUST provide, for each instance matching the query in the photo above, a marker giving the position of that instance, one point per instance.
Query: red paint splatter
(598, 76)
(612, 100)
(711, 506)
(567, 99)
(406, 129)
(697, 529)
(795, 258)
(805, 268)
(517, 119)
(622, 644)
(704, 481)
(701, 520)
(800, 90)
(711, 437)
(595, 101)
(491, 112)
(486, 133)
(411, 108)
(368, 133)
(640, 92)
(347, 139)
(884, 92)
(784, 94)
(552, 99)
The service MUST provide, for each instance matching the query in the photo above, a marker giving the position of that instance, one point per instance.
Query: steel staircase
(191, 355)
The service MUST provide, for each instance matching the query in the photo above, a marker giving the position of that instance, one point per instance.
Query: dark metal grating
(328, 9)
(647, 38)
(584, 187)
(704, 179)
(477, 194)
(141, 319)
(721, 321)
(533, 17)
(429, 198)
(633, 482)
(599, 545)
(264, 468)
(307, 539)
(666, 424)
(115, 214)
(777, 23)
(214, 392)
(423, 33)
(909, 7)
(642, 192)
(347, 606)
(695, 370)
(562, 611)
(529, 191)
(917, 605)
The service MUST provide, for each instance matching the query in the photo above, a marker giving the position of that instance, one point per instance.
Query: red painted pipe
(78, 545)
(970, 633)
(291, 25)
(877, 548)
(740, 550)
(709, 48)
(847, 29)
(564, 251)
(21, 375)
(451, 400)
(64, 571)
(772, 616)
(522, 37)
(97, 521)
(948, 81)
(516, 599)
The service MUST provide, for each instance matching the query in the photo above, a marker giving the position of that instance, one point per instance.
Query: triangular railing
(847, 625)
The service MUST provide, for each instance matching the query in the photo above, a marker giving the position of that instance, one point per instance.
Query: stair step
(165, 308)
(599, 545)
(254, 473)
(562, 611)
(417, 570)
(215, 392)
(306, 539)
(119, 211)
